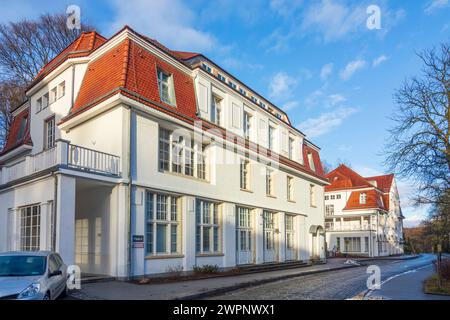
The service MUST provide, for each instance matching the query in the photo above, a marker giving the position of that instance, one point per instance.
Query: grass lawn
(431, 286)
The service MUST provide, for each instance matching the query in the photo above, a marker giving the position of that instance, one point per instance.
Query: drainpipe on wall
(54, 209)
(72, 100)
(130, 187)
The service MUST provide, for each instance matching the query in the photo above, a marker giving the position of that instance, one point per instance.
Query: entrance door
(291, 245)
(82, 242)
(270, 250)
(244, 236)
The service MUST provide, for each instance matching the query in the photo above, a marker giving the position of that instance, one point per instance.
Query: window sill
(164, 256)
(176, 174)
(219, 254)
(291, 201)
(247, 190)
(271, 196)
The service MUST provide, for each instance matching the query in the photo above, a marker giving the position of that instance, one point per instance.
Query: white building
(363, 216)
(131, 159)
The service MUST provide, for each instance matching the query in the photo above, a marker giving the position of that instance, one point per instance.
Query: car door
(56, 281)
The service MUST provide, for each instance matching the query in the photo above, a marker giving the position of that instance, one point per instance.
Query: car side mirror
(55, 273)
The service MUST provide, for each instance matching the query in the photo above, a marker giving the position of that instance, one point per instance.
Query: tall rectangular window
(269, 182)
(271, 138)
(49, 127)
(338, 244)
(208, 227)
(352, 244)
(162, 224)
(245, 174)
(290, 188)
(22, 128)
(216, 110)
(39, 105)
(45, 100)
(53, 95)
(290, 233)
(366, 244)
(329, 209)
(362, 198)
(164, 149)
(291, 148)
(312, 195)
(311, 162)
(166, 89)
(247, 125)
(61, 89)
(30, 228)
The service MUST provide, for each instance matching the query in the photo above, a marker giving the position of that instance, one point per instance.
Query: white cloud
(326, 71)
(333, 20)
(376, 62)
(285, 7)
(281, 86)
(351, 68)
(170, 22)
(335, 99)
(326, 122)
(435, 5)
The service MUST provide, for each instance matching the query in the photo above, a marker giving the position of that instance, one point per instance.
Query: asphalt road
(399, 280)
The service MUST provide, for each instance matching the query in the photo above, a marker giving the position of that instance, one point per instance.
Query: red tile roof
(83, 46)
(345, 178)
(13, 141)
(384, 182)
(374, 200)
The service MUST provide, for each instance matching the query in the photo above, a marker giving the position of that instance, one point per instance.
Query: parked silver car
(38, 275)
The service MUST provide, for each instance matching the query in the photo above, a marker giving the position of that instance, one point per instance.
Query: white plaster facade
(92, 187)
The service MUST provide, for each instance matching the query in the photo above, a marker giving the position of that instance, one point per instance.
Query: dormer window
(23, 125)
(166, 89)
(262, 105)
(206, 67)
(242, 91)
(232, 85)
(362, 198)
(253, 99)
(311, 162)
(216, 110)
(220, 77)
(291, 148)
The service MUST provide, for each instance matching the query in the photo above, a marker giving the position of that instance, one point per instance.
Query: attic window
(262, 105)
(232, 85)
(166, 89)
(242, 91)
(362, 198)
(220, 77)
(206, 67)
(23, 125)
(311, 162)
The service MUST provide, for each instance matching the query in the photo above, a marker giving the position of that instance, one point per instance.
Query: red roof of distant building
(384, 182)
(374, 200)
(14, 140)
(345, 178)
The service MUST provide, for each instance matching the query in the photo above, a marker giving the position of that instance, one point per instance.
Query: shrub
(207, 268)
(445, 269)
(175, 270)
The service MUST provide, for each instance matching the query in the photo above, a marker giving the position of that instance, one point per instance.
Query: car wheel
(47, 296)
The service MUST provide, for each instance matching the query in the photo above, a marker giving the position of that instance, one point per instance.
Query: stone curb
(242, 285)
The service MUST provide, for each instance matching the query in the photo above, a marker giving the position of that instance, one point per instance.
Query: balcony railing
(66, 155)
(350, 228)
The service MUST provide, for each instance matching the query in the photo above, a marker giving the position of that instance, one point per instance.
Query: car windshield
(21, 266)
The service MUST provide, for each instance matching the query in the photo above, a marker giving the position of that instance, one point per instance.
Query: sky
(317, 60)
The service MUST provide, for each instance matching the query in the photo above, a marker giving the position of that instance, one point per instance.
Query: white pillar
(229, 234)
(302, 239)
(119, 231)
(189, 232)
(281, 237)
(259, 237)
(138, 225)
(65, 218)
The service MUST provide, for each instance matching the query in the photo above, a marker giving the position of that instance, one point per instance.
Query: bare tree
(25, 47)
(419, 146)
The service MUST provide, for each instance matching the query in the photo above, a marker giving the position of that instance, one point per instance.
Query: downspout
(72, 100)
(55, 210)
(130, 187)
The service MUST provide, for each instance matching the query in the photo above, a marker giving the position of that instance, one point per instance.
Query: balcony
(350, 228)
(64, 155)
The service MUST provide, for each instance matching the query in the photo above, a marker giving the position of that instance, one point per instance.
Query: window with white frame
(352, 244)
(182, 155)
(245, 174)
(290, 233)
(329, 209)
(312, 195)
(362, 198)
(49, 133)
(53, 94)
(166, 88)
(327, 197)
(247, 125)
(271, 138)
(61, 89)
(291, 148)
(216, 110)
(30, 228)
(270, 189)
(311, 162)
(236, 116)
(22, 128)
(45, 100)
(162, 221)
(333, 197)
(39, 105)
(338, 196)
(207, 227)
(269, 230)
(290, 188)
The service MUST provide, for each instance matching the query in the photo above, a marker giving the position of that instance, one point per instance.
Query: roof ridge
(126, 59)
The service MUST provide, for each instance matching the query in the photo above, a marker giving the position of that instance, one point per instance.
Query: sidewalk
(195, 289)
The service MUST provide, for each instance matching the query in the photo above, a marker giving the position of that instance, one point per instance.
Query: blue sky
(316, 59)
